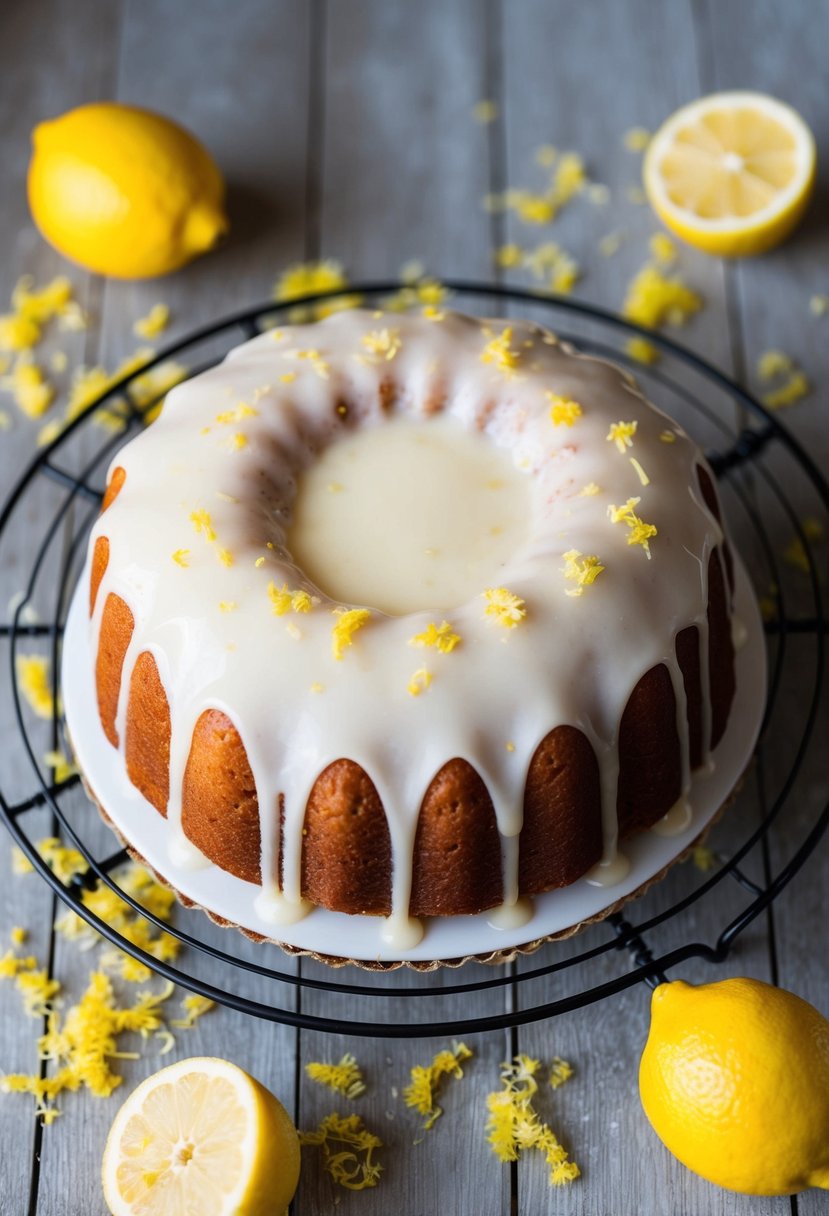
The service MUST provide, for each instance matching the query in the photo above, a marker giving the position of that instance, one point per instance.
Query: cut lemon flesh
(200, 1136)
(731, 173)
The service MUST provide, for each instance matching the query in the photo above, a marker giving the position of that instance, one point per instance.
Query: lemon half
(731, 173)
(200, 1136)
(123, 191)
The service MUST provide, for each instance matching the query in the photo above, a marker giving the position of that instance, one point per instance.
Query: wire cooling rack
(770, 488)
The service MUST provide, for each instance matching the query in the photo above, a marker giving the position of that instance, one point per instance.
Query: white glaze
(573, 660)
(455, 510)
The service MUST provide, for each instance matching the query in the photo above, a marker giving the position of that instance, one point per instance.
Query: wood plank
(49, 65)
(252, 117)
(754, 49)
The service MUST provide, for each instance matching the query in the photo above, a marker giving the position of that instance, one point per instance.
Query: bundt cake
(410, 616)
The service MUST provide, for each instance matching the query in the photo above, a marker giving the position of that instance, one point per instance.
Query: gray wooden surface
(345, 129)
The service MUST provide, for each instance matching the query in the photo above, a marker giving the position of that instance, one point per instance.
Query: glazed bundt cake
(410, 616)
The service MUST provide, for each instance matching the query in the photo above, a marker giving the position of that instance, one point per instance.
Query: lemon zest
(426, 1081)
(819, 305)
(640, 472)
(195, 1007)
(667, 436)
(642, 350)
(203, 523)
(503, 607)
(35, 683)
(419, 682)
(382, 344)
(662, 248)
(514, 1125)
(773, 364)
(485, 111)
(18, 935)
(180, 557)
(154, 323)
(283, 600)
(639, 532)
(508, 256)
(563, 410)
(621, 433)
(32, 392)
(345, 1166)
(498, 351)
(441, 637)
(349, 621)
(237, 414)
(582, 570)
(343, 1077)
(637, 139)
(589, 490)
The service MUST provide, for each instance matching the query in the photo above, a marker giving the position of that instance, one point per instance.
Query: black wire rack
(769, 485)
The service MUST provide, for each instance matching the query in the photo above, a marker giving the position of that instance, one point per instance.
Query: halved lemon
(201, 1136)
(731, 173)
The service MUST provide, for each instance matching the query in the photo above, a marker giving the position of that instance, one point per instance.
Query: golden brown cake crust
(346, 847)
(561, 836)
(219, 807)
(456, 868)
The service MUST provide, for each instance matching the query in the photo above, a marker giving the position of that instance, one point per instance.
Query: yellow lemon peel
(355, 1173)
(344, 1077)
(426, 1080)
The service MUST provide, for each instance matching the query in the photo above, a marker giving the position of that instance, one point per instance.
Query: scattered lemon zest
(344, 1077)
(181, 557)
(819, 305)
(154, 323)
(238, 413)
(284, 600)
(551, 264)
(508, 256)
(85, 1043)
(580, 569)
(485, 111)
(194, 1006)
(503, 607)
(419, 682)
(703, 857)
(775, 363)
(62, 767)
(667, 436)
(203, 523)
(382, 344)
(349, 621)
(317, 687)
(563, 410)
(639, 532)
(345, 1166)
(610, 244)
(18, 935)
(652, 299)
(642, 350)
(308, 278)
(795, 552)
(498, 351)
(313, 357)
(514, 1125)
(621, 433)
(589, 490)
(419, 289)
(426, 1081)
(227, 605)
(225, 557)
(662, 248)
(18, 333)
(20, 862)
(440, 636)
(35, 683)
(32, 392)
(637, 139)
(288, 377)
(560, 1071)
(640, 472)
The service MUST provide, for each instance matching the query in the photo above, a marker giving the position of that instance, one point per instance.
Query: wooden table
(346, 130)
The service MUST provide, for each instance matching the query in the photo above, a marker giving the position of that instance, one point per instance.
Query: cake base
(447, 941)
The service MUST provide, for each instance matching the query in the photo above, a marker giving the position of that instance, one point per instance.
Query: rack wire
(768, 483)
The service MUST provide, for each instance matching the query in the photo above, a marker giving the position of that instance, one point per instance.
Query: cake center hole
(407, 516)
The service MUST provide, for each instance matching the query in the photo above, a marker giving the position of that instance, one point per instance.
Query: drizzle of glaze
(675, 821)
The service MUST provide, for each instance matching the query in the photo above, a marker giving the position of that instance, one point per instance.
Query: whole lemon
(123, 191)
(734, 1079)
